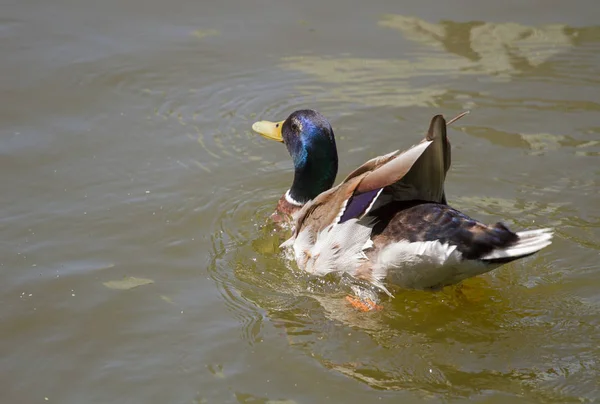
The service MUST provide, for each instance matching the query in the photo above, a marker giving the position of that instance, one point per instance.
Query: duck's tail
(529, 242)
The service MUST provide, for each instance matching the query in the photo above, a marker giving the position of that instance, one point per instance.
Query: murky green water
(126, 152)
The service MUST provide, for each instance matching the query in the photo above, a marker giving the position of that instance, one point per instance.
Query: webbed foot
(363, 304)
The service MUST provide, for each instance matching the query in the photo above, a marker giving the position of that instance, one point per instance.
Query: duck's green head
(309, 139)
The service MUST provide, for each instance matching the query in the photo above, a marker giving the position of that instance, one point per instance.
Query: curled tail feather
(528, 243)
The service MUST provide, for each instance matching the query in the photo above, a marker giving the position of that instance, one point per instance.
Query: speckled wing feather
(326, 208)
(372, 164)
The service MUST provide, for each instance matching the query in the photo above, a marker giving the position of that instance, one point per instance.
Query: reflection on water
(494, 48)
(375, 82)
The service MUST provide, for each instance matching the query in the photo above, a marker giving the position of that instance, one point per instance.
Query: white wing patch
(345, 205)
(340, 213)
(372, 203)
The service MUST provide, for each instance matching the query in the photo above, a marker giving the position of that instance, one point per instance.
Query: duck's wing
(356, 195)
(372, 164)
(426, 177)
(417, 173)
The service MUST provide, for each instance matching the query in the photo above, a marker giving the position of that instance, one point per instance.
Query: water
(126, 152)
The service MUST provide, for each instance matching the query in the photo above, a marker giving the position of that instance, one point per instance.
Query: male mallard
(388, 220)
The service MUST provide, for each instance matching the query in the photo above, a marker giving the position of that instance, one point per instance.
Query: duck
(388, 222)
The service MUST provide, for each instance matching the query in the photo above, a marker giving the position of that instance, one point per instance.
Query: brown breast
(284, 211)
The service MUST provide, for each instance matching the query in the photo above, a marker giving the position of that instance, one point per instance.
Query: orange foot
(363, 304)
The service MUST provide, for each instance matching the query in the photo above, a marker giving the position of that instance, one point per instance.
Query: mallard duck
(388, 220)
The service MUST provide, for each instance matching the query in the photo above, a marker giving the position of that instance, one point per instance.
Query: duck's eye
(294, 127)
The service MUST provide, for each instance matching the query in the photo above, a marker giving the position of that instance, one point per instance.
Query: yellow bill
(270, 130)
